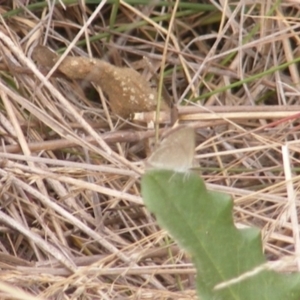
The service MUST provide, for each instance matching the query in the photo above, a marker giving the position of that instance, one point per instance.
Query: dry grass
(73, 224)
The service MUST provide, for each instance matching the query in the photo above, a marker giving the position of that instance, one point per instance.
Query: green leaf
(201, 222)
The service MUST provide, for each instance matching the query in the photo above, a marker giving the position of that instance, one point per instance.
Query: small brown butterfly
(175, 152)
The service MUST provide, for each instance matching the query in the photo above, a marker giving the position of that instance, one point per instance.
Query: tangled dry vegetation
(73, 224)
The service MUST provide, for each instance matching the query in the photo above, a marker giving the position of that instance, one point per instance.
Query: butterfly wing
(175, 152)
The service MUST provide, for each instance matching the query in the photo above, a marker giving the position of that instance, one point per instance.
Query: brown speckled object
(128, 91)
